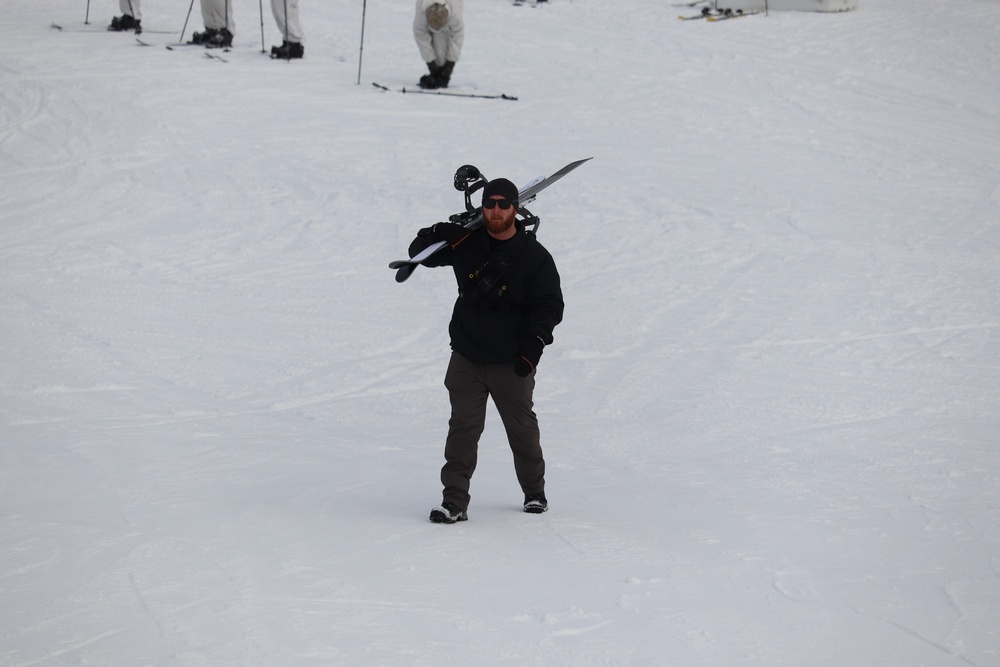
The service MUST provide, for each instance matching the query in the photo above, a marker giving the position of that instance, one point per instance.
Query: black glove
(529, 352)
(452, 232)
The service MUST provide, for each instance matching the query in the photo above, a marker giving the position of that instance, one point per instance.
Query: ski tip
(404, 272)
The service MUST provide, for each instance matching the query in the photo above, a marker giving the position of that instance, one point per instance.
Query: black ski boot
(203, 37)
(122, 23)
(288, 50)
(439, 77)
(430, 81)
(222, 39)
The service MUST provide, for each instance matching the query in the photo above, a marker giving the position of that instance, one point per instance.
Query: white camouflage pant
(218, 14)
(131, 8)
(291, 28)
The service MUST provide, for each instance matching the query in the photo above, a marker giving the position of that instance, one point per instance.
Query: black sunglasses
(502, 203)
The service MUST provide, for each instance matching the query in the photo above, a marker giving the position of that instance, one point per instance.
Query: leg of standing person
(512, 396)
(136, 11)
(286, 16)
(220, 24)
(467, 391)
(208, 19)
(228, 31)
(130, 18)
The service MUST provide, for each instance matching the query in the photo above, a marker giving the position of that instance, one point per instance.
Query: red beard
(498, 224)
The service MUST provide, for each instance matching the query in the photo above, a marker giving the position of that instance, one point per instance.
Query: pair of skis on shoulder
(469, 179)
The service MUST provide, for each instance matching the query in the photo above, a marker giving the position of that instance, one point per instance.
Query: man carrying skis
(509, 302)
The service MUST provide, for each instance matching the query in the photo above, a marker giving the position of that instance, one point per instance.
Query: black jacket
(526, 300)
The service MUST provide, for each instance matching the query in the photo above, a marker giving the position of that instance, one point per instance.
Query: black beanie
(500, 187)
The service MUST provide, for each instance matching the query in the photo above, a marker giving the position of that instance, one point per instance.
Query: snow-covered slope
(771, 416)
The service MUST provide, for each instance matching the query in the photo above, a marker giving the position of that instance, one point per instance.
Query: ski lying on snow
(405, 267)
(716, 15)
(208, 51)
(445, 93)
(171, 47)
(705, 13)
(730, 15)
(98, 29)
(142, 42)
(62, 29)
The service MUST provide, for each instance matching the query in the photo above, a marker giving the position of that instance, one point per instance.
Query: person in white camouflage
(439, 29)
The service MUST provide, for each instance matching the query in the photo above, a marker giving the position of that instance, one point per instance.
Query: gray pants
(470, 385)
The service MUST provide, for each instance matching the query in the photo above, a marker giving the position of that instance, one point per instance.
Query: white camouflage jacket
(440, 45)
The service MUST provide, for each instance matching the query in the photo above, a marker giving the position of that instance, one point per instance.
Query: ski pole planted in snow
(186, 19)
(262, 27)
(361, 51)
(286, 22)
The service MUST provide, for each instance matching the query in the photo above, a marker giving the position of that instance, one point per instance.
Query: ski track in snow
(770, 417)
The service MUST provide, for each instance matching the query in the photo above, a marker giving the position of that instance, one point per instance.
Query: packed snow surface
(771, 416)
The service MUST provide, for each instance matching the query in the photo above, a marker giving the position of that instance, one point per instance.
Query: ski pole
(361, 51)
(86, 21)
(262, 26)
(184, 29)
(286, 24)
